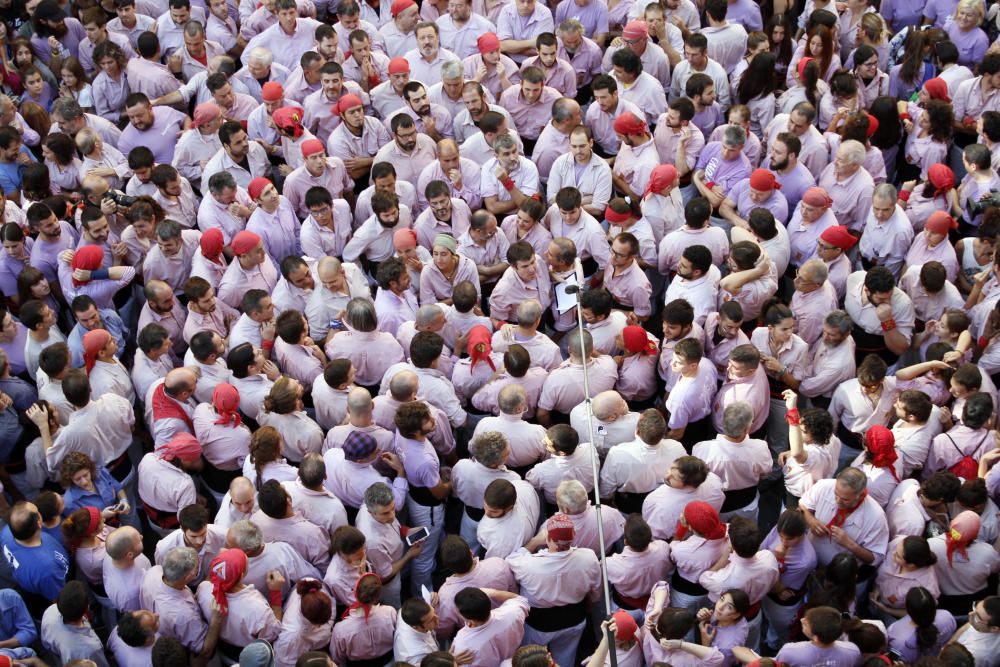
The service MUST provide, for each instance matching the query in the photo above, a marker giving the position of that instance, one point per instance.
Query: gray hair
(853, 151)
(86, 139)
(490, 448)
(312, 470)
(885, 191)
(806, 110)
(570, 26)
(360, 314)
(571, 497)
(168, 229)
(562, 109)
(428, 314)
(839, 319)
(261, 56)
(68, 108)
(221, 181)
(853, 478)
(194, 29)
(247, 536)
(504, 141)
(734, 135)
(452, 70)
(574, 339)
(816, 270)
(736, 419)
(178, 564)
(512, 399)
(528, 312)
(378, 495)
(119, 541)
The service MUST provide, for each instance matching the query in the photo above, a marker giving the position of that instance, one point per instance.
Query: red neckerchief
(841, 516)
(165, 407)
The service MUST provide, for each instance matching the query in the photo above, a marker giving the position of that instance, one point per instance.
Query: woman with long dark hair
(818, 44)
(889, 134)
(780, 31)
(924, 630)
(756, 90)
(808, 87)
(928, 138)
(843, 95)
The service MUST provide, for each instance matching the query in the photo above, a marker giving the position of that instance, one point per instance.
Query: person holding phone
(90, 486)
(430, 485)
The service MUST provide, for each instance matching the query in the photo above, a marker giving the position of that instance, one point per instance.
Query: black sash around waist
(380, 661)
(738, 498)
(120, 467)
(682, 585)
(551, 619)
(422, 496)
(474, 513)
(630, 502)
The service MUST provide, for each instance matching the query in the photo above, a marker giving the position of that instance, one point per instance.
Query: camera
(120, 198)
(979, 207)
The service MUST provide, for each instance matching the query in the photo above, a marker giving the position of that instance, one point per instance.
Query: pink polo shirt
(334, 179)
(752, 389)
(371, 353)
(673, 244)
(563, 389)
(529, 118)
(602, 124)
(811, 309)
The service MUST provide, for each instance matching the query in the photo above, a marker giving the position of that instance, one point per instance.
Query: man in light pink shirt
(426, 60)
(530, 103)
(608, 106)
(849, 185)
(723, 333)
(696, 231)
(431, 119)
(814, 298)
(745, 381)
(319, 106)
(519, 24)
(638, 86)
(467, 571)
(279, 522)
(625, 279)
(251, 269)
(461, 174)
(289, 38)
(146, 74)
(491, 636)
(553, 141)
(689, 480)
(526, 278)
(563, 389)
(409, 151)
(559, 74)
(318, 170)
(636, 158)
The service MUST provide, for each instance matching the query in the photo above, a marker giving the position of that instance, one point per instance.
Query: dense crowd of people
(486, 332)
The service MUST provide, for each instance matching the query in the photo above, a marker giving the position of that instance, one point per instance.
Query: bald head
(529, 313)
(95, 184)
(359, 402)
(447, 149)
(403, 386)
(815, 271)
(180, 383)
(328, 268)
(124, 543)
(242, 495)
(608, 405)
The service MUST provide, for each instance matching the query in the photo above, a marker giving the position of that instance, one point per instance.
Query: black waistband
(475, 513)
(959, 605)
(231, 651)
(371, 662)
(629, 503)
(550, 619)
(121, 467)
(422, 496)
(682, 585)
(738, 498)
(867, 342)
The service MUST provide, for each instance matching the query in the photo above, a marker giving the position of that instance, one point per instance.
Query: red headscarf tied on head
(937, 89)
(346, 102)
(183, 446)
(480, 345)
(629, 123)
(289, 119)
(635, 30)
(872, 126)
(942, 178)
(312, 147)
(357, 604)
(626, 628)
(703, 519)
(488, 42)
(560, 529)
(93, 342)
(404, 239)
(400, 66)
(226, 401)
(637, 342)
(257, 186)
(963, 530)
(88, 258)
(272, 91)
(817, 197)
(763, 180)
(400, 6)
(226, 571)
(244, 242)
(212, 242)
(940, 223)
(839, 236)
(881, 444)
(613, 216)
(802, 65)
(662, 176)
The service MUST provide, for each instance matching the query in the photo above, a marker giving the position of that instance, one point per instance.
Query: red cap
(940, 223)
(212, 242)
(311, 147)
(256, 187)
(872, 126)
(763, 180)
(662, 176)
(816, 196)
(488, 42)
(399, 66)
(937, 89)
(802, 65)
(626, 628)
(629, 123)
(272, 91)
(289, 119)
(346, 102)
(636, 340)
(839, 236)
(244, 242)
(400, 6)
(941, 177)
(635, 30)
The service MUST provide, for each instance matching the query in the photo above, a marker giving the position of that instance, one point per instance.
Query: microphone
(578, 270)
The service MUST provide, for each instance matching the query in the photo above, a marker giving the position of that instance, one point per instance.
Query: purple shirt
(725, 173)
(278, 230)
(161, 138)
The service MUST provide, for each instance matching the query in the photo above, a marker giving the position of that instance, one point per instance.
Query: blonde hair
(969, 5)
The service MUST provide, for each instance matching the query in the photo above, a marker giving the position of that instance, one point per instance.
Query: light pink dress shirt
(866, 525)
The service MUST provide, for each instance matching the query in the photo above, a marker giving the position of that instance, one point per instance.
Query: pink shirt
(358, 638)
(554, 579)
(673, 244)
(249, 617)
(529, 117)
(427, 226)
(563, 389)
(811, 308)
(163, 485)
(920, 253)
(852, 201)
(828, 367)
(511, 291)
(949, 448)
(334, 179)
(740, 465)
(893, 584)
(718, 351)
(601, 125)
(634, 573)
(485, 573)
(663, 507)
(299, 635)
(803, 237)
(546, 475)
(560, 76)
(866, 525)
(223, 445)
(237, 281)
(752, 389)
(372, 353)
(212, 214)
(755, 576)
(320, 241)
(496, 639)
(469, 192)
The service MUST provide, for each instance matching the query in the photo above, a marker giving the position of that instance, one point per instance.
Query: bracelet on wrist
(888, 325)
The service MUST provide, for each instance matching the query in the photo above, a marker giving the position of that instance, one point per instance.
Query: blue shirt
(114, 326)
(105, 493)
(10, 178)
(10, 432)
(15, 621)
(39, 570)
(22, 393)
